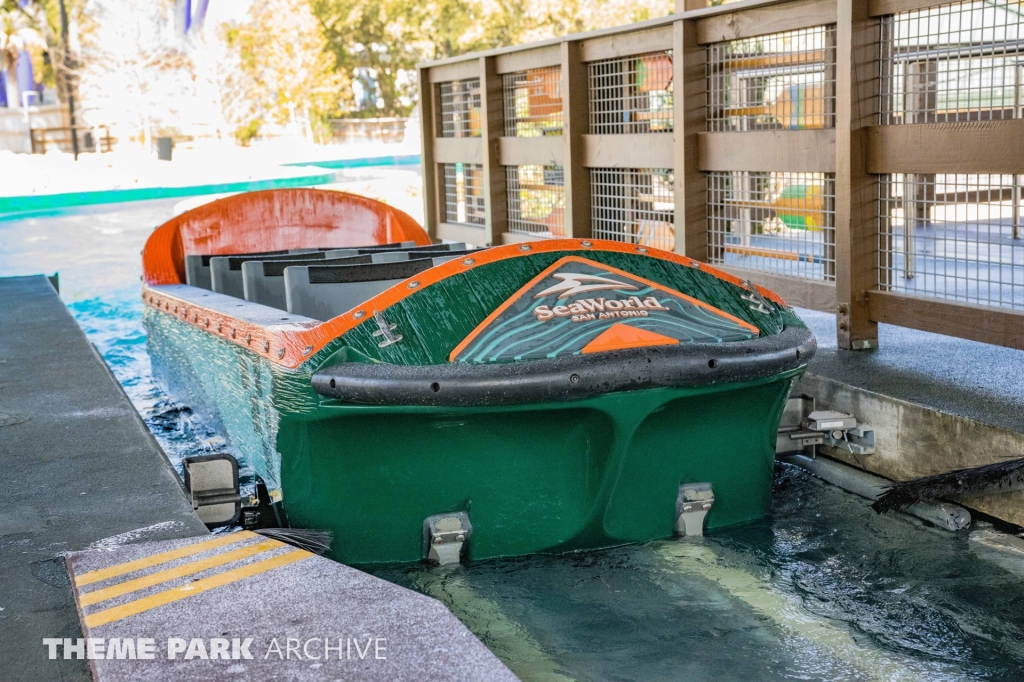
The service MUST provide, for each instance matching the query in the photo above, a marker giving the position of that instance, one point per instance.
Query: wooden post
(492, 121)
(857, 95)
(428, 131)
(575, 117)
(689, 102)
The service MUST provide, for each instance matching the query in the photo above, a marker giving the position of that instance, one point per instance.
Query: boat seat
(197, 269)
(226, 271)
(355, 251)
(324, 291)
(263, 279)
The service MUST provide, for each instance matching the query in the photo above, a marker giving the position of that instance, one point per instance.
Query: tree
(134, 72)
(282, 49)
(43, 16)
(388, 37)
(17, 35)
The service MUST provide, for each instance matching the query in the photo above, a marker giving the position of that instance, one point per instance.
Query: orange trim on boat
(272, 220)
(577, 259)
(289, 345)
(620, 336)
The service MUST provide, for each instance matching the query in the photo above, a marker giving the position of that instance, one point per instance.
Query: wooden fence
(860, 157)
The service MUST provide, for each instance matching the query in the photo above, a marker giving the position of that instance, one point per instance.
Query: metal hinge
(692, 506)
(212, 485)
(445, 536)
(385, 330)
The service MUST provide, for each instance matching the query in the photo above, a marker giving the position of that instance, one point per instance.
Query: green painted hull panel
(537, 478)
(534, 478)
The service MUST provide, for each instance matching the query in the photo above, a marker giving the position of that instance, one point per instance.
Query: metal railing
(634, 205)
(536, 200)
(862, 157)
(463, 194)
(90, 139)
(778, 81)
(533, 102)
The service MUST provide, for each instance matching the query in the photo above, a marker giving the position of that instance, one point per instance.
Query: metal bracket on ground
(802, 428)
(692, 506)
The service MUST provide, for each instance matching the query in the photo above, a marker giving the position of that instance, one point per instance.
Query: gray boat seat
(359, 250)
(263, 280)
(198, 270)
(325, 291)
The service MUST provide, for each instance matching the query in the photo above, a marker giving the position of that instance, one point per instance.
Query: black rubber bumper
(568, 378)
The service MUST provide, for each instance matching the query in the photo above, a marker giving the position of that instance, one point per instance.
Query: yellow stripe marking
(162, 558)
(177, 572)
(167, 596)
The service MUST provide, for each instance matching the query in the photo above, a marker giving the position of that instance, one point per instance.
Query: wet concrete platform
(78, 467)
(937, 404)
(240, 605)
(956, 376)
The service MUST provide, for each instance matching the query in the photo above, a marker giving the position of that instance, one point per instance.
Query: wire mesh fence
(957, 62)
(635, 205)
(536, 200)
(631, 94)
(773, 221)
(778, 81)
(464, 193)
(460, 108)
(956, 237)
(533, 102)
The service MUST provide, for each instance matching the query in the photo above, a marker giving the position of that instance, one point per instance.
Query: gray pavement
(269, 611)
(77, 467)
(959, 377)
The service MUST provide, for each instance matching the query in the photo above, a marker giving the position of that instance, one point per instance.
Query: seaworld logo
(600, 309)
(577, 283)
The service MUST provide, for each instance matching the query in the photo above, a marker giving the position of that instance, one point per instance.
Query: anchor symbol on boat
(386, 330)
(755, 299)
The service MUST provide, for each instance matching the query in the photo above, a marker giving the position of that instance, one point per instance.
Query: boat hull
(543, 477)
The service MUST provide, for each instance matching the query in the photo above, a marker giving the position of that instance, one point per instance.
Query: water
(823, 590)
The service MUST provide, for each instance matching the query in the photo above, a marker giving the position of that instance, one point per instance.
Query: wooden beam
(575, 117)
(963, 320)
(803, 293)
(477, 236)
(428, 131)
(880, 8)
(856, 224)
(539, 57)
(470, 68)
(763, 20)
(684, 5)
(458, 150)
(645, 150)
(689, 120)
(492, 123)
(626, 44)
(768, 150)
(955, 148)
(547, 150)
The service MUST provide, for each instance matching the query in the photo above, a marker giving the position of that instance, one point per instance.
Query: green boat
(437, 401)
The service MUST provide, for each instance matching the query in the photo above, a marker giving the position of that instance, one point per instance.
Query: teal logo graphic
(581, 306)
